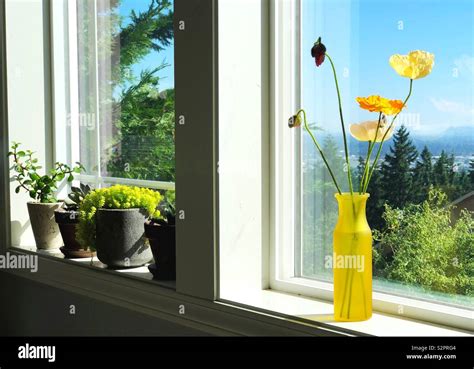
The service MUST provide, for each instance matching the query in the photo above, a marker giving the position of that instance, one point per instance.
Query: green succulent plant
(115, 197)
(167, 208)
(76, 196)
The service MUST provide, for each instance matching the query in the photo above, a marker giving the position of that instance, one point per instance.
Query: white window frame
(286, 203)
(194, 290)
(198, 101)
(66, 60)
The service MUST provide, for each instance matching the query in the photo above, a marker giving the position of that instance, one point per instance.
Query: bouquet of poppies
(417, 64)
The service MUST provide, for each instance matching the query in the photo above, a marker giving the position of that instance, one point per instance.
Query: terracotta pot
(67, 221)
(120, 239)
(163, 246)
(45, 230)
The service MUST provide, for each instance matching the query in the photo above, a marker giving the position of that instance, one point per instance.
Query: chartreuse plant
(41, 188)
(115, 197)
(423, 246)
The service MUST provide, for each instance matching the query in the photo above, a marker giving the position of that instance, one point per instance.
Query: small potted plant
(68, 218)
(161, 232)
(111, 222)
(42, 189)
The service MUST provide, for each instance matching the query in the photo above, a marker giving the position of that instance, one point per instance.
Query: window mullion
(97, 95)
(73, 77)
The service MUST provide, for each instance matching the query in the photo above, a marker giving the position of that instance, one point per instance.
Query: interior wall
(242, 147)
(34, 309)
(28, 102)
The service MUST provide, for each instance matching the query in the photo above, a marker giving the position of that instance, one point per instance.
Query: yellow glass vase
(352, 260)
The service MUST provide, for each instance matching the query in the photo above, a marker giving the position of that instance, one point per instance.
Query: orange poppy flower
(376, 103)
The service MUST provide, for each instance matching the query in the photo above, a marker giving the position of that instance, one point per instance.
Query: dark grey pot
(120, 238)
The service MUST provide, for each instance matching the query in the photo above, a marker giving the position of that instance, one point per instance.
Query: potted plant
(161, 232)
(67, 219)
(111, 222)
(352, 237)
(42, 189)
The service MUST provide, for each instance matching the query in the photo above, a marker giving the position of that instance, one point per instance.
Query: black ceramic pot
(120, 239)
(67, 221)
(163, 245)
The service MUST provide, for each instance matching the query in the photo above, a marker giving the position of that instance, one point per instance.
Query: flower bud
(318, 52)
(294, 121)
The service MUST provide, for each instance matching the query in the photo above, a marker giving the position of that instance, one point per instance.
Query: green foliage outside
(137, 116)
(408, 210)
(115, 197)
(421, 245)
(320, 206)
(144, 143)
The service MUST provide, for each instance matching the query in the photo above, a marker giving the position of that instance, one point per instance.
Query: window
(104, 97)
(423, 246)
(121, 79)
(103, 94)
(67, 106)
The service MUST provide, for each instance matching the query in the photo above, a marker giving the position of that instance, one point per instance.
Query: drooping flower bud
(294, 121)
(318, 52)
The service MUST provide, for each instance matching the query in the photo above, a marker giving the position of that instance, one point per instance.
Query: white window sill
(140, 272)
(312, 310)
(268, 307)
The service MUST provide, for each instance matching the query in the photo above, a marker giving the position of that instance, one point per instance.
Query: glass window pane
(126, 88)
(423, 246)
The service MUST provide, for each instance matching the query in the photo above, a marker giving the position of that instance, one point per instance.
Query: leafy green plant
(76, 196)
(41, 188)
(115, 197)
(167, 209)
(423, 246)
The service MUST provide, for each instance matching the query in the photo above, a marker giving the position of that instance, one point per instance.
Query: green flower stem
(361, 185)
(349, 177)
(383, 138)
(369, 154)
(319, 149)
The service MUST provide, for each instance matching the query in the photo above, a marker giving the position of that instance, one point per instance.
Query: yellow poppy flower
(417, 64)
(376, 103)
(365, 131)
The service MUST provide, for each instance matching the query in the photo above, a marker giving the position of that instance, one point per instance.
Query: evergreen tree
(446, 176)
(396, 170)
(471, 173)
(375, 204)
(143, 143)
(441, 170)
(452, 169)
(359, 172)
(423, 175)
(462, 185)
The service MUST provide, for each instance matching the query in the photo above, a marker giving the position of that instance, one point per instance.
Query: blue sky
(361, 35)
(153, 59)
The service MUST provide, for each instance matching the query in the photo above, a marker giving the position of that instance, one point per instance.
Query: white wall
(242, 153)
(28, 119)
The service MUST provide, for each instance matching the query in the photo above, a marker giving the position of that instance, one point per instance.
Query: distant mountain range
(456, 140)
